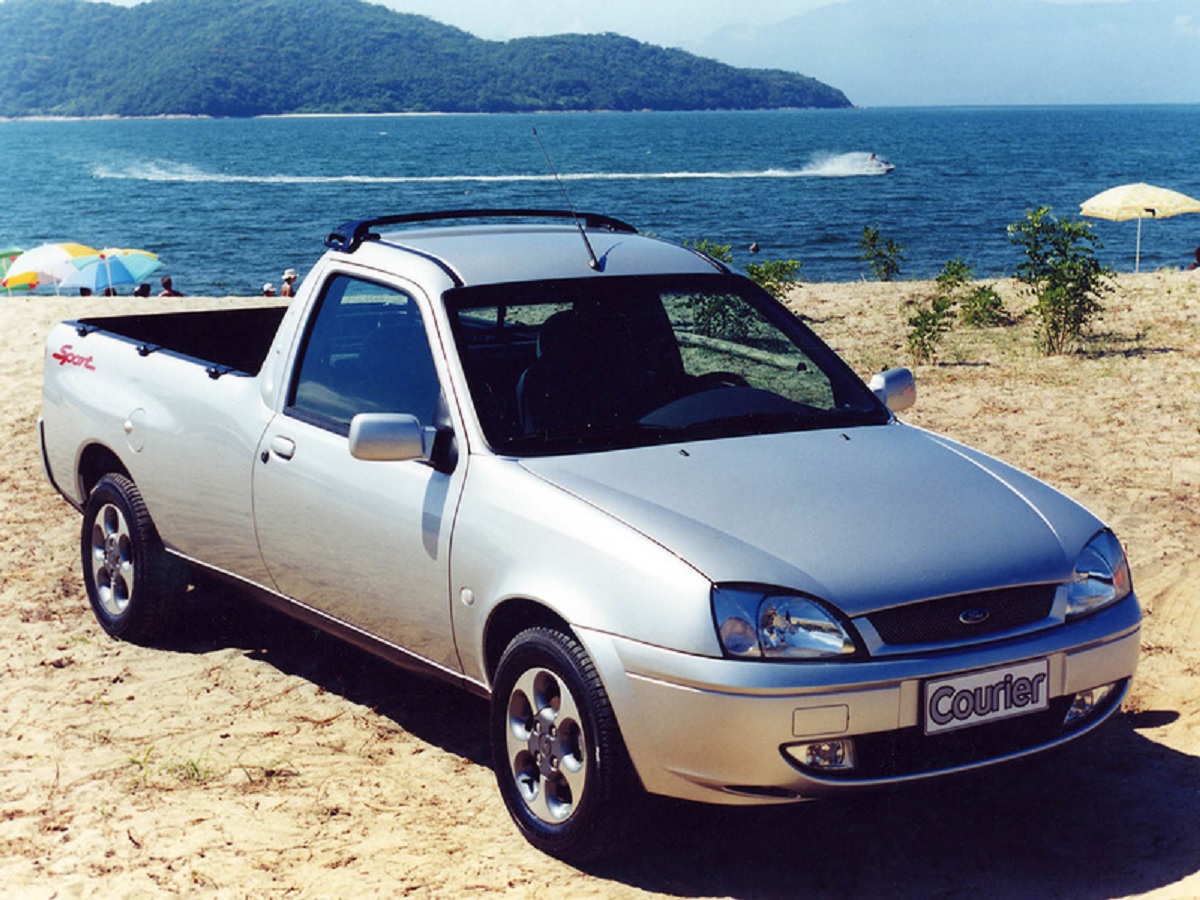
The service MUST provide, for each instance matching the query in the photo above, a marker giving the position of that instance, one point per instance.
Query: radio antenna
(593, 262)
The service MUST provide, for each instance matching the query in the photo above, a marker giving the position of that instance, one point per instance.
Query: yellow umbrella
(1138, 201)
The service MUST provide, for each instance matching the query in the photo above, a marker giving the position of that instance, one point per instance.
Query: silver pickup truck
(609, 484)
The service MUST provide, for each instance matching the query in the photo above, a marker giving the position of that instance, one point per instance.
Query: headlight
(1101, 576)
(759, 623)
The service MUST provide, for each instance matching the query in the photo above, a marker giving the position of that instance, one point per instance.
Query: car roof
(493, 253)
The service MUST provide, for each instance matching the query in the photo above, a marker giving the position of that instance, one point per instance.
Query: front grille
(949, 619)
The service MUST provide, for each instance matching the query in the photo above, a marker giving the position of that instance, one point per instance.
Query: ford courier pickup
(610, 485)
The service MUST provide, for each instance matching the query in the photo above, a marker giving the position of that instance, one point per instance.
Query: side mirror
(383, 437)
(896, 388)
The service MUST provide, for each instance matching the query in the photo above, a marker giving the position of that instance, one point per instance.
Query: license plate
(973, 698)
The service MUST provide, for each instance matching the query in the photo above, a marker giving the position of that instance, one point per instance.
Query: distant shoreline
(416, 114)
(105, 118)
(570, 112)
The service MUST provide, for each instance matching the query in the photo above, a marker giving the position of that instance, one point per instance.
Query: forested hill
(259, 57)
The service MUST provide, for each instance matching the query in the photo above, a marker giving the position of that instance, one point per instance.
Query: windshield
(580, 365)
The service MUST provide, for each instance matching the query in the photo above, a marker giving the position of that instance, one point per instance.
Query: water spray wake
(846, 165)
(831, 166)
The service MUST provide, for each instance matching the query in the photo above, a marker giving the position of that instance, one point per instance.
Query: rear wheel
(559, 758)
(132, 582)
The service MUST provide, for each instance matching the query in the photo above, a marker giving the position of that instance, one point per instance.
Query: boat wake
(832, 166)
(847, 165)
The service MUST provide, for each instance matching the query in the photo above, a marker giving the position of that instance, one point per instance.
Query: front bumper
(718, 730)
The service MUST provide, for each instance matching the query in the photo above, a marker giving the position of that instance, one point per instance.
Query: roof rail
(349, 235)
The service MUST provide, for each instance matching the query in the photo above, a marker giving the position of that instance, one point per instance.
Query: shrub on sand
(1063, 274)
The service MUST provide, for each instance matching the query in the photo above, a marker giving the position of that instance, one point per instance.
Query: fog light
(1086, 702)
(824, 755)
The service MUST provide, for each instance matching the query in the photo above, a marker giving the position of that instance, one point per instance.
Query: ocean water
(228, 204)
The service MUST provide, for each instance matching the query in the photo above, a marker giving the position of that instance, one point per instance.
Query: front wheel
(132, 582)
(557, 751)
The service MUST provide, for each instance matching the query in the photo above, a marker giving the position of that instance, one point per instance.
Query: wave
(843, 165)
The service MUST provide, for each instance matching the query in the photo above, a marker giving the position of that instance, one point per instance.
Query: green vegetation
(983, 308)
(955, 275)
(725, 317)
(883, 257)
(719, 252)
(729, 317)
(927, 325)
(1063, 274)
(194, 771)
(259, 57)
(978, 306)
(775, 276)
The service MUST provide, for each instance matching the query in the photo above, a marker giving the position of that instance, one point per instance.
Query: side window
(366, 351)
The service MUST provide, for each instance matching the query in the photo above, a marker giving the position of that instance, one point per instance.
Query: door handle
(284, 448)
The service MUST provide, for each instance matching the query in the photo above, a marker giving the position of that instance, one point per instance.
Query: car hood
(866, 517)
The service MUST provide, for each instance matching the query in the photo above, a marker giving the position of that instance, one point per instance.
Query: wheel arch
(95, 462)
(508, 620)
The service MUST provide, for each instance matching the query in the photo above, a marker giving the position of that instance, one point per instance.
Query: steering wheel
(711, 380)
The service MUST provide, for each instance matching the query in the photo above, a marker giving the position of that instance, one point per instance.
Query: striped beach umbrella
(111, 267)
(44, 263)
(7, 255)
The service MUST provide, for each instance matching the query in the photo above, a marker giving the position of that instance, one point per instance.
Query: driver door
(365, 542)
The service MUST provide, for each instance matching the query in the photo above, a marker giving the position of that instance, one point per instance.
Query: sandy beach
(254, 758)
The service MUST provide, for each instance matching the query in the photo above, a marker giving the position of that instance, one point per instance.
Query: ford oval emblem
(977, 615)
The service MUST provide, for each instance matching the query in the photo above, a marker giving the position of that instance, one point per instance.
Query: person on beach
(268, 290)
(142, 290)
(288, 288)
(1195, 265)
(168, 288)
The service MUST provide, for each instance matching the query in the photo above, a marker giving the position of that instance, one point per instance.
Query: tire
(132, 582)
(560, 762)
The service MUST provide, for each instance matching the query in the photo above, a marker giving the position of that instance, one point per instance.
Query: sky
(671, 23)
(894, 52)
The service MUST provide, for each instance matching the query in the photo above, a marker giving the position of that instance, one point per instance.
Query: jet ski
(880, 164)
